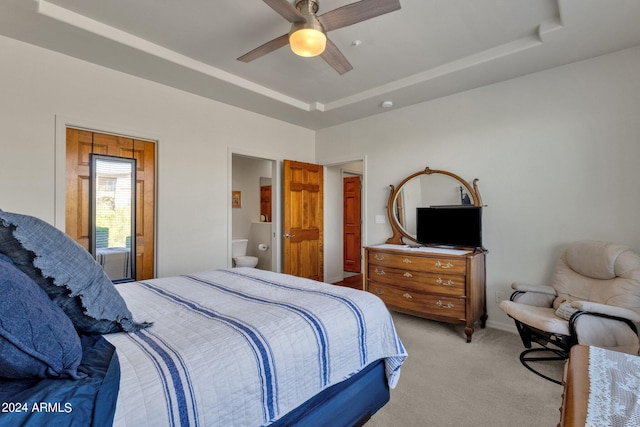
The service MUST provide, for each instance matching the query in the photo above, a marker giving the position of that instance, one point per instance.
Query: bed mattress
(244, 347)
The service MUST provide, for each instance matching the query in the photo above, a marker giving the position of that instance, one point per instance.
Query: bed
(229, 347)
(601, 388)
(256, 344)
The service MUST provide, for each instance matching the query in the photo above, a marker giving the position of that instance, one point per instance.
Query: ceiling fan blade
(335, 58)
(268, 47)
(286, 10)
(356, 12)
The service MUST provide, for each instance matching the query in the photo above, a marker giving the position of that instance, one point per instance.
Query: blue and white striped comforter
(242, 347)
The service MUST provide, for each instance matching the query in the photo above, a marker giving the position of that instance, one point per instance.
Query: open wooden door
(351, 224)
(303, 219)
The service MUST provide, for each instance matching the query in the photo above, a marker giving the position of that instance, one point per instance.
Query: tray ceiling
(427, 49)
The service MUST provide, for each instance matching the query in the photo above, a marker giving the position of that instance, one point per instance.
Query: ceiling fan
(307, 36)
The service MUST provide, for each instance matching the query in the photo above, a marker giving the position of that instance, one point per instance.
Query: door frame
(60, 162)
(330, 191)
(276, 202)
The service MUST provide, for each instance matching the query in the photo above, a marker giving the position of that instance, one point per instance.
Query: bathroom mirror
(113, 215)
(429, 187)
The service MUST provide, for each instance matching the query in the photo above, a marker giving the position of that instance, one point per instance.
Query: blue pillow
(67, 273)
(36, 338)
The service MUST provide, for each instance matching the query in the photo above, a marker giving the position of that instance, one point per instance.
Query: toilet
(239, 254)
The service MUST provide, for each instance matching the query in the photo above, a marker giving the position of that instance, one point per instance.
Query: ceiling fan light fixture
(307, 38)
(307, 42)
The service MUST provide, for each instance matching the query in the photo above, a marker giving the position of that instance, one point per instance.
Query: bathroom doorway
(253, 208)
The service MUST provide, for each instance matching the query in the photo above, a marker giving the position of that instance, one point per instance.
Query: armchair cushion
(609, 310)
(606, 333)
(598, 272)
(539, 296)
(590, 330)
(543, 318)
(594, 259)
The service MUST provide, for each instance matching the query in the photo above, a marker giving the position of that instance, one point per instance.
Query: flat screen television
(456, 225)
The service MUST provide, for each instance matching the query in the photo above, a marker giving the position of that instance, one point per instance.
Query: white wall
(194, 137)
(556, 153)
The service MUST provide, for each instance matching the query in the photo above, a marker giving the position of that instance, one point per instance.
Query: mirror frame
(398, 231)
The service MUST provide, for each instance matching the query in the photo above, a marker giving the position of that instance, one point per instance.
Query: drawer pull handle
(379, 291)
(449, 282)
(407, 296)
(379, 272)
(441, 305)
(406, 261)
(441, 265)
(378, 257)
(407, 274)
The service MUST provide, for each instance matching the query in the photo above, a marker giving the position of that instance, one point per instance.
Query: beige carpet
(447, 382)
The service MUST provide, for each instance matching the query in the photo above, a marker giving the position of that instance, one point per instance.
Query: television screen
(458, 225)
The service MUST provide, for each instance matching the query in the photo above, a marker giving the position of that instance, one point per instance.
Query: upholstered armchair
(593, 299)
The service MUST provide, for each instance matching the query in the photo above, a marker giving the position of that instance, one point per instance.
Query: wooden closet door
(80, 144)
(351, 224)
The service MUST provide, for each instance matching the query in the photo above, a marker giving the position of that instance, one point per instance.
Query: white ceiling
(427, 49)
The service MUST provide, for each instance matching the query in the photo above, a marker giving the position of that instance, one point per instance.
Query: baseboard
(502, 326)
(333, 279)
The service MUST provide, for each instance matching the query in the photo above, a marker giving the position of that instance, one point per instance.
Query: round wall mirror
(429, 187)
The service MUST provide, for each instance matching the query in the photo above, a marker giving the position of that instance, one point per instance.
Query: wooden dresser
(440, 284)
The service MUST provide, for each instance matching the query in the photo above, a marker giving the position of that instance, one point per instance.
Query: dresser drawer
(438, 305)
(448, 284)
(430, 264)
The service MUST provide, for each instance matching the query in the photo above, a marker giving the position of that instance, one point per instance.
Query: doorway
(336, 269)
(333, 223)
(254, 211)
